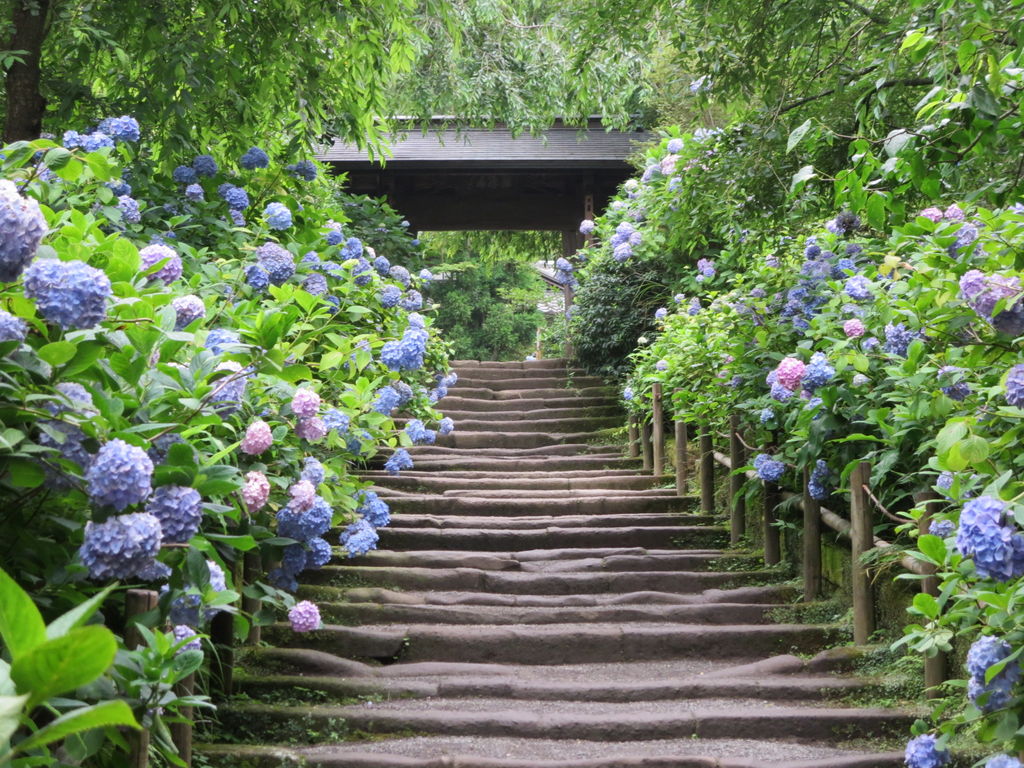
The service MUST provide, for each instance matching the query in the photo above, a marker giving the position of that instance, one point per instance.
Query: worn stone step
(460, 401)
(618, 559)
(533, 393)
(514, 365)
(413, 518)
(538, 413)
(538, 494)
(504, 752)
(506, 452)
(436, 482)
(525, 380)
(746, 595)
(496, 466)
(490, 540)
(377, 613)
(496, 439)
(428, 503)
(593, 473)
(487, 372)
(599, 721)
(566, 424)
(529, 582)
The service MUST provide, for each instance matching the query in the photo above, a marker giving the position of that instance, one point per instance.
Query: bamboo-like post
(934, 666)
(222, 636)
(707, 472)
(252, 569)
(812, 543)
(772, 497)
(657, 431)
(682, 459)
(862, 540)
(137, 602)
(737, 501)
(646, 449)
(181, 733)
(634, 437)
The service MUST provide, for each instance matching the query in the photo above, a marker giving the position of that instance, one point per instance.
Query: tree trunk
(25, 105)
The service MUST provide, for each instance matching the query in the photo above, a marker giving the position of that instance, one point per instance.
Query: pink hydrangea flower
(257, 438)
(789, 373)
(303, 495)
(304, 617)
(305, 403)
(256, 491)
(954, 213)
(854, 328)
(932, 214)
(311, 429)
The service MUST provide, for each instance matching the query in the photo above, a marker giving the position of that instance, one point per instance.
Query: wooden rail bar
(861, 540)
(737, 500)
(707, 472)
(812, 543)
(657, 431)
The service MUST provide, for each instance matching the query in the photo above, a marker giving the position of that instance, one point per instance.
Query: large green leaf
(102, 715)
(77, 616)
(10, 717)
(21, 625)
(64, 663)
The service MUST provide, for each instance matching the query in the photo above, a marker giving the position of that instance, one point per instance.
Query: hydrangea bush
(858, 338)
(198, 375)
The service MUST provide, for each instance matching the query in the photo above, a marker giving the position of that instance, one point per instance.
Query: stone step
(537, 494)
(432, 503)
(491, 540)
(351, 613)
(495, 466)
(460, 401)
(621, 559)
(573, 396)
(538, 474)
(413, 518)
(495, 439)
(529, 583)
(486, 372)
(505, 452)
(739, 595)
(524, 381)
(437, 482)
(538, 413)
(508, 752)
(576, 424)
(506, 365)
(562, 644)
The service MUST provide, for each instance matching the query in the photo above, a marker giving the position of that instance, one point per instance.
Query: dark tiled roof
(559, 147)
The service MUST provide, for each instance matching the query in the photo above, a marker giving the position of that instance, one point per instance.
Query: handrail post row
(646, 449)
(707, 472)
(222, 636)
(812, 543)
(682, 459)
(772, 497)
(737, 500)
(861, 540)
(657, 431)
(137, 602)
(181, 732)
(934, 666)
(634, 437)
(252, 569)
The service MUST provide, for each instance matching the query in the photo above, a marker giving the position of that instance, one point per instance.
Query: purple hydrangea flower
(179, 510)
(70, 294)
(303, 495)
(1015, 386)
(955, 387)
(941, 528)
(156, 253)
(12, 328)
(195, 193)
(854, 328)
(923, 752)
(256, 491)
(818, 372)
(304, 617)
(121, 546)
(359, 538)
(254, 158)
(278, 216)
(305, 403)
(790, 372)
(311, 429)
(187, 309)
(129, 208)
(120, 475)
(257, 439)
(182, 633)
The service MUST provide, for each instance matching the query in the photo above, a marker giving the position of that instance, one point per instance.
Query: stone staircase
(537, 602)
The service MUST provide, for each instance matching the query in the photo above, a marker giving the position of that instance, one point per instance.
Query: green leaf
(953, 432)
(926, 605)
(25, 473)
(21, 624)
(797, 135)
(932, 547)
(974, 449)
(64, 663)
(10, 717)
(801, 177)
(77, 616)
(103, 715)
(876, 210)
(57, 352)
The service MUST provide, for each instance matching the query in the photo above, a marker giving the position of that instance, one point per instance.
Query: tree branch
(865, 12)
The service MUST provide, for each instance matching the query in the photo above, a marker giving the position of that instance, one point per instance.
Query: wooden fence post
(657, 431)
(862, 540)
(222, 636)
(682, 459)
(737, 501)
(252, 569)
(136, 602)
(812, 543)
(634, 437)
(934, 666)
(707, 472)
(646, 449)
(181, 733)
(772, 497)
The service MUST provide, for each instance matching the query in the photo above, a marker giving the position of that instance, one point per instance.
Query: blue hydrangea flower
(120, 547)
(386, 401)
(818, 372)
(398, 461)
(389, 296)
(661, 313)
(373, 509)
(278, 262)
(944, 481)
(359, 538)
(400, 274)
(426, 275)
(446, 426)
(22, 227)
(337, 421)
(205, 165)
(382, 265)
(780, 393)
(219, 338)
(257, 277)
(362, 272)
(955, 387)
(129, 208)
(767, 414)
(278, 216)
(179, 510)
(674, 146)
(230, 389)
(996, 548)
(997, 693)
(293, 559)
(70, 294)
(281, 579)
(923, 752)
(405, 393)
(627, 393)
(858, 288)
(419, 434)
(315, 284)
(119, 187)
(303, 169)
(185, 609)
(335, 236)
(411, 301)
(95, 141)
(768, 469)
(941, 528)
(303, 526)
(1015, 386)
(195, 193)
(120, 475)
(1003, 761)
(183, 633)
(319, 553)
(694, 307)
(183, 174)
(254, 158)
(236, 197)
(12, 328)
(817, 486)
(122, 128)
(898, 338)
(353, 249)
(313, 470)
